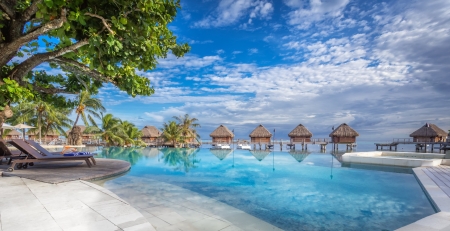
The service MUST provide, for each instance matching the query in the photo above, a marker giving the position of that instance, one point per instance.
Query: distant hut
(150, 134)
(260, 154)
(50, 136)
(429, 133)
(13, 134)
(222, 135)
(344, 134)
(260, 135)
(300, 134)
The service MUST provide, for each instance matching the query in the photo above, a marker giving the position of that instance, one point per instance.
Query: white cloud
(252, 51)
(188, 61)
(314, 11)
(230, 12)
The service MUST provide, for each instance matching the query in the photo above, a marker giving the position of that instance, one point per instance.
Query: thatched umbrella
(221, 153)
(13, 134)
(150, 133)
(260, 135)
(429, 133)
(300, 133)
(260, 155)
(222, 134)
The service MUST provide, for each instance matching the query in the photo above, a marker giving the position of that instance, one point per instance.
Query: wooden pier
(420, 145)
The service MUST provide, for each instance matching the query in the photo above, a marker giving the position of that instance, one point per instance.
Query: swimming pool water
(291, 190)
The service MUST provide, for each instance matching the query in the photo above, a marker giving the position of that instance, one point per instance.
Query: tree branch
(52, 90)
(105, 21)
(70, 64)
(12, 47)
(23, 68)
(31, 10)
(7, 10)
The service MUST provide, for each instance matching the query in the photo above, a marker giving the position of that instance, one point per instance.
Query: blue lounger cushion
(77, 154)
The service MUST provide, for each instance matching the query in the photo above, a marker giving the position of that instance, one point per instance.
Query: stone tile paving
(436, 183)
(168, 207)
(78, 205)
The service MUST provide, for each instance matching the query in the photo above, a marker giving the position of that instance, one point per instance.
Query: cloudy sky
(380, 66)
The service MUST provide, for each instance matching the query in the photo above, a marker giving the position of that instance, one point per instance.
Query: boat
(220, 146)
(243, 146)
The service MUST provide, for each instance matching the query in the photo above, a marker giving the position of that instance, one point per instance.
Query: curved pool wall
(293, 191)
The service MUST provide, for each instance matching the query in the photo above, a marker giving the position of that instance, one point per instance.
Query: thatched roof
(260, 154)
(150, 132)
(300, 131)
(260, 132)
(14, 133)
(299, 156)
(429, 130)
(221, 132)
(221, 153)
(344, 131)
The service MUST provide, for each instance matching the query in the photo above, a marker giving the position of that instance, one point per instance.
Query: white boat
(220, 146)
(243, 146)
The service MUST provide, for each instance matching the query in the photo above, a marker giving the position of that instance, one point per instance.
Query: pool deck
(436, 184)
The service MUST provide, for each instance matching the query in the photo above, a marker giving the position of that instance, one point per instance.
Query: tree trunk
(39, 126)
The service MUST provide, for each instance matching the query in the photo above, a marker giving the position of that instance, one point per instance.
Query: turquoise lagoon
(291, 190)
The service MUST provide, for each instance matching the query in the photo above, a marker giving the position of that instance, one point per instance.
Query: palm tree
(188, 126)
(36, 112)
(58, 122)
(132, 134)
(111, 130)
(172, 132)
(88, 105)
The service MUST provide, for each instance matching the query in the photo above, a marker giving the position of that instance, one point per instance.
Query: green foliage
(172, 133)
(124, 36)
(10, 91)
(88, 107)
(188, 126)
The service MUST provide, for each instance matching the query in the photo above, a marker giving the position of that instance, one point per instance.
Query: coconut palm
(188, 126)
(86, 105)
(172, 133)
(56, 121)
(111, 130)
(132, 134)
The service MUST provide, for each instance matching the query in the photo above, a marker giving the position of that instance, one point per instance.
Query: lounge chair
(35, 156)
(6, 153)
(45, 152)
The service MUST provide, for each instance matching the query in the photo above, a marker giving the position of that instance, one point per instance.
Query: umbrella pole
(23, 134)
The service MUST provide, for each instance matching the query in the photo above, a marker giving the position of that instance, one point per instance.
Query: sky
(380, 66)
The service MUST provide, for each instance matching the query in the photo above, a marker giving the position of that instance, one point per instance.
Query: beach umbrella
(23, 127)
(7, 126)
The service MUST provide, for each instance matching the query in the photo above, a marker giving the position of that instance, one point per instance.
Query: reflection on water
(221, 153)
(130, 154)
(260, 154)
(183, 159)
(299, 155)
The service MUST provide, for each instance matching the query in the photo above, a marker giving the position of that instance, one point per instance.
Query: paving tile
(128, 220)
(76, 217)
(157, 223)
(160, 210)
(169, 228)
(210, 224)
(103, 225)
(231, 228)
(186, 226)
(141, 227)
(172, 218)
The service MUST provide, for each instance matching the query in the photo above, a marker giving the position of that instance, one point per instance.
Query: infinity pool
(291, 190)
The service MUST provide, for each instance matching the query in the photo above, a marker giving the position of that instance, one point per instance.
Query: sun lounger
(35, 156)
(45, 152)
(6, 153)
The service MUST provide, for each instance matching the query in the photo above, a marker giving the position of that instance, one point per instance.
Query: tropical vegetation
(91, 42)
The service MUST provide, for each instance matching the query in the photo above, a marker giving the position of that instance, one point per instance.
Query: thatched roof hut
(221, 153)
(344, 134)
(13, 134)
(300, 134)
(429, 133)
(260, 154)
(150, 134)
(222, 135)
(260, 135)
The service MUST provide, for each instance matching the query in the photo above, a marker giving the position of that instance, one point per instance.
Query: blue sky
(380, 66)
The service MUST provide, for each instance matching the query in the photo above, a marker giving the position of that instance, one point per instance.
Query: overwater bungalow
(49, 137)
(344, 134)
(429, 133)
(260, 135)
(222, 135)
(150, 134)
(13, 134)
(300, 134)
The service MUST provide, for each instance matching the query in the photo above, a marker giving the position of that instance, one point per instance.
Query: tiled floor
(77, 205)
